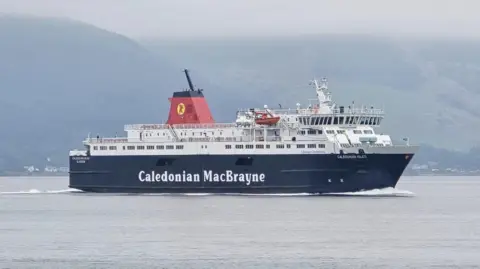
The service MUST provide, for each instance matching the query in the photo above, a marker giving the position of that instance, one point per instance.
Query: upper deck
(286, 130)
(362, 111)
(144, 127)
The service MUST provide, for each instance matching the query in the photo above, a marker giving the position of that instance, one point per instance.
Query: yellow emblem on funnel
(180, 109)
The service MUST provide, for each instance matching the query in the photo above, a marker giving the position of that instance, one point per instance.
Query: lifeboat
(264, 118)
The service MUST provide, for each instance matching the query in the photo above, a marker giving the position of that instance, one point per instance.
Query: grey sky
(141, 18)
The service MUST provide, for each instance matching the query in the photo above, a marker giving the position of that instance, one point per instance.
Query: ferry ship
(317, 149)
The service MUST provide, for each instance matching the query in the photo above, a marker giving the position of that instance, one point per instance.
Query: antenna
(190, 84)
(324, 83)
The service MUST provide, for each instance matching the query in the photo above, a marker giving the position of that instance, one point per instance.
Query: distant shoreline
(24, 174)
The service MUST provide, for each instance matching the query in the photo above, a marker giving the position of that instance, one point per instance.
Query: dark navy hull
(226, 174)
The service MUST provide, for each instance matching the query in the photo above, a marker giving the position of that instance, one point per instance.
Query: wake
(36, 191)
(386, 192)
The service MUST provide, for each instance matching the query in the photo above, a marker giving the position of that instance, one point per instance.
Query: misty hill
(60, 80)
(429, 89)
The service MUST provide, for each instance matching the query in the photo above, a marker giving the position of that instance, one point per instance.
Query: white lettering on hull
(208, 176)
(166, 177)
(229, 176)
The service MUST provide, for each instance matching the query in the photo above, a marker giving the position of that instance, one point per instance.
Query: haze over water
(430, 222)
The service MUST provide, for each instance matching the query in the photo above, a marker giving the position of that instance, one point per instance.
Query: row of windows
(354, 131)
(278, 146)
(150, 147)
(313, 132)
(310, 132)
(340, 120)
(180, 147)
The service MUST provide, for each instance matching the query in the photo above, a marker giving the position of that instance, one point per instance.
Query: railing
(364, 110)
(308, 111)
(178, 126)
(375, 145)
(145, 126)
(173, 132)
(107, 140)
(205, 126)
(190, 139)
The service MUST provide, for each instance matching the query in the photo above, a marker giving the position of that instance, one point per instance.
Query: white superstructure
(322, 127)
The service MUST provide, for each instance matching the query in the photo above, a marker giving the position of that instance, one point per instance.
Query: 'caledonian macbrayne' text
(208, 176)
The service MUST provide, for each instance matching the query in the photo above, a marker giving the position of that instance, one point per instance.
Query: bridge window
(249, 146)
(300, 146)
(130, 147)
(160, 147)
(239, 146)
(112, 148)
(150, 147)
(103, 147)
(365, 120)
(259, 146)
(179, 146)
(280, 146)
(312, 132)
(140, 147)
(312, 146)
(267, 146)
(340, 131)
(357, 132)
(169, 147)
(368, 132)
(288, 146)
(330, 132)
(228, 146)
(322, 146)
(95, 147)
